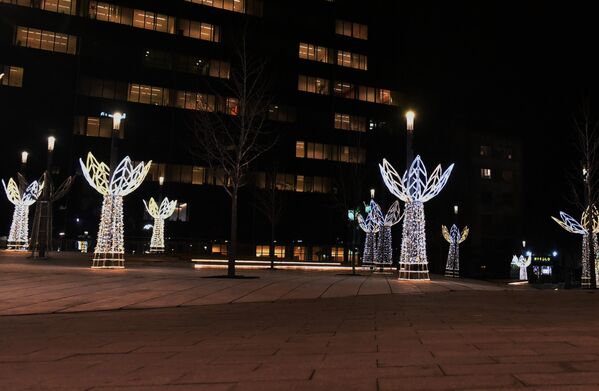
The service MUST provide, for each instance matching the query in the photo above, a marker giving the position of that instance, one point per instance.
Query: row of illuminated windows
(351, 29)
(251, 7)
(196, 175)
(60, 6)
(46, 40)
(159, 96)
(322, 54)
(11, 76)
(148, 20)
(230, 5)
(96, 127)
(317, 85)
(350, 122)
(188, 64)
(337, 153)
(300, 253)
(293, 182)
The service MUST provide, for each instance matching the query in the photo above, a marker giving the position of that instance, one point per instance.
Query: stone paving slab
(450, 340)
(57, 285)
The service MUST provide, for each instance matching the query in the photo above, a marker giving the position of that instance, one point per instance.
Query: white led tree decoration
(415, 188)
(522, 263)
(110, 248)
(371, 225)
(454, 237)
(570, 224)
(384, 245)
(18, 237)
(159, 213)
(378, 248)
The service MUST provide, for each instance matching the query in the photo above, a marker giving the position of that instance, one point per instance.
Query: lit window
(350, 122)
(300, 149)
(313, 84)
(46, 40)
(13, 76)
(349, 29)
(485, 173)
(299, 253)
(337, 254)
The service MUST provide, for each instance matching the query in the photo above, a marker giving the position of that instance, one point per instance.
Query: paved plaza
(166, 327)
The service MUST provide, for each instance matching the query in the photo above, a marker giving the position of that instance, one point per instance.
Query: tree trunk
(233, 242)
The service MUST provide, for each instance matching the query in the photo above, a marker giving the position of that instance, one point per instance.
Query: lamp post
(410, 115)
(24, 157)
(41, 235)
(117, 117)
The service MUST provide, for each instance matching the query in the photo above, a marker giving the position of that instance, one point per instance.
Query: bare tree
(230, 142)
(585, 180)
(270, 203)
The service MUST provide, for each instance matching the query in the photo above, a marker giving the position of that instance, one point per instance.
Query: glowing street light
(51, 141)
(24, 156)
(410, 115)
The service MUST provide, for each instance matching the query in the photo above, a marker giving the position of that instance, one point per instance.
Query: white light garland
(110, 249)
(18, 237)
(570, 224)
(415, 187)
(378, 247)
(522, 263)
(454, 237)
(159, 213)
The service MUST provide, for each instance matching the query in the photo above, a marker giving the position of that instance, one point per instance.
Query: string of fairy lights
(454, 237)
(18, 237)
(159, 214)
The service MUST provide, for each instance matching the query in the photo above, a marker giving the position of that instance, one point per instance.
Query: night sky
(521, 68)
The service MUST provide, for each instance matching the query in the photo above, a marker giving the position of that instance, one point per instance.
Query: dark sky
(514, 67)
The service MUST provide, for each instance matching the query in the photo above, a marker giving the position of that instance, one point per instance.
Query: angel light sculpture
(110, 247)
(159, 213)
(522, 263)
(454, 237)
(18, 237)
(590, 219)
(415, 188)
(384, 245)
(371, 225)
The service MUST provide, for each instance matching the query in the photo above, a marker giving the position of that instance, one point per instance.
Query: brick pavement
(473, 337)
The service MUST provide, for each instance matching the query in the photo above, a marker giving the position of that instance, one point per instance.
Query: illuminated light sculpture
(415, 188)
(522, 263)
(570, 224)
(384, 246)
(159, 213)
(18, 237)
(110, 248)
(371, 225)
(454, 237)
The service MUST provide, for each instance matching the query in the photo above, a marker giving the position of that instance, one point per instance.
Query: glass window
(198, 176)
(299, 253)
(46, 40)
(13, 76)
(485, 173)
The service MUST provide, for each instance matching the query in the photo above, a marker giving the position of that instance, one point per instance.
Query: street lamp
(24, 156)
(410, 115)
(372, 193)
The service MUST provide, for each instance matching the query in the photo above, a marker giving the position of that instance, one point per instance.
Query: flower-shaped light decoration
(110, 249)
(371, 225)
(159, 213)
(454, 237)
(18, 237)
(522, 263)
(384, 247)
(590, 218)
(415, 188)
